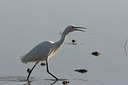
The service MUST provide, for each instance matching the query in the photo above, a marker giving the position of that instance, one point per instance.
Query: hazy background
(26, 23)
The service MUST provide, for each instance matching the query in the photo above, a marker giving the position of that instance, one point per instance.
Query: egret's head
(72, 28)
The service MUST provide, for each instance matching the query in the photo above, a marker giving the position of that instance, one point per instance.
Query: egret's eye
(73, 27)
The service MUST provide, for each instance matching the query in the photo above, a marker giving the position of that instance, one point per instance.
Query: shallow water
(26, 23)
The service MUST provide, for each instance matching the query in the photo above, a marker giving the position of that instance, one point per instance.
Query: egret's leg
(49, 72)
(31, 70)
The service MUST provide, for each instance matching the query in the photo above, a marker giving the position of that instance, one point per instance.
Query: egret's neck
(60, 42)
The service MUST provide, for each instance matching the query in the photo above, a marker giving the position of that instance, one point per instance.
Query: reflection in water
(71, 43)
(15, 78)
(22, 79)
(80, 79)
(29, 82)
(64, 81)
(54, 82)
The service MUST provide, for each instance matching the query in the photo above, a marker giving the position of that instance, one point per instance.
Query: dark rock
(95, 53)
(42, 64)
(73, 41)
(28, 70)
(81, 70)
(65, 82)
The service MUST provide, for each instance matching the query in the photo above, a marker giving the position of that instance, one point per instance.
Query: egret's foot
(56, 78)
(29, 82)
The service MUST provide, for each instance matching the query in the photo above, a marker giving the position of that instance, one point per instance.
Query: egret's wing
(38, 53)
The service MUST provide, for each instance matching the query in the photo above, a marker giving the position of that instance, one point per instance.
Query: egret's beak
(80, 29)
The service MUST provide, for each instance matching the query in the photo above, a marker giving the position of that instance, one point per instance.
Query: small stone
(28, 70)
(65, 82)
(81, 70)
(73, 41)
(95, 53)
(42, 64)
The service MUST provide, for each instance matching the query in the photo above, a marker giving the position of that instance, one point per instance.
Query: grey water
(26, 23)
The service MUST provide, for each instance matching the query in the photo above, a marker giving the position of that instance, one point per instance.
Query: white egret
(44, 50)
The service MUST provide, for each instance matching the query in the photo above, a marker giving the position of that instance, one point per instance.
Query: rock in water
(95, 53)
(81, 70)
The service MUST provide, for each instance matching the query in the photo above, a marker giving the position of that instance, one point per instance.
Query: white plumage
(39, 53)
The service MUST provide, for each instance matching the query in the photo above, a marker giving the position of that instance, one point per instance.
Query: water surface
(26, 23)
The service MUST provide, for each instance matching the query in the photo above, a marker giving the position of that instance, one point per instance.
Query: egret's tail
(26, 59)
(23, 59)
